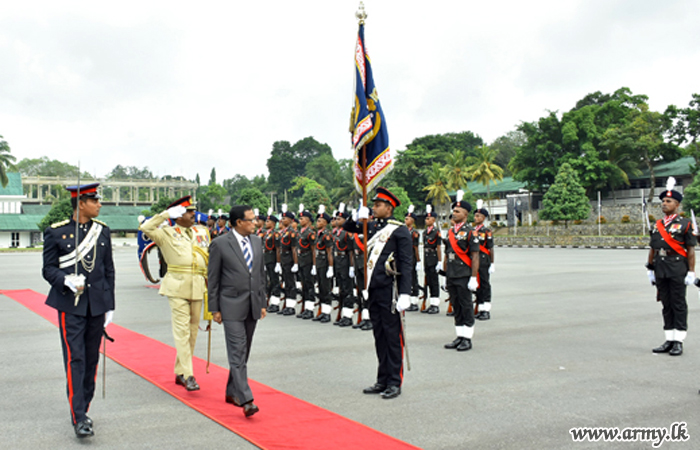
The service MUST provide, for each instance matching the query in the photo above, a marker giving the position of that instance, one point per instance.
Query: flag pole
(364, 221)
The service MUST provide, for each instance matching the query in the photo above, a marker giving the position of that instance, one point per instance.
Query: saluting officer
(671, 266)
(85, 300)
(271, 258)
(324, 264)
(343, 267)
(410, 221)
(462, 267)
(487, 266)
(288, 258)
(388, 238)
(185, 248)
(432, 260)
(307, 263)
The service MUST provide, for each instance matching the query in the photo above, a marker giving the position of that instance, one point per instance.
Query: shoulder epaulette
(60, 224)
(395, 222)
(100, 222)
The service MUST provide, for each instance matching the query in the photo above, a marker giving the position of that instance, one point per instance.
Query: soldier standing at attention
(343, 268)
(85, 301)
(271, 257)
(324, 264)
(671, 266)
(487, 266)
(185, 248)
(462, 267)
(359, 255)
(410, 221)
(307, 263)
(389, 240)
(432, 260)
(288, 258)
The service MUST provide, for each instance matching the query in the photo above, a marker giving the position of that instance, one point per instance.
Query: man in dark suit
(237, 298)
(82, 299)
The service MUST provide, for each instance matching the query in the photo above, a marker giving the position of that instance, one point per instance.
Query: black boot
(454, 344)
(677, 349)
(465, 345)
(664, 348)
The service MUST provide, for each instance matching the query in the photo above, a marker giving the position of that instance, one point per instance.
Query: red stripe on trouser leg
(402, 350)
(69, 372)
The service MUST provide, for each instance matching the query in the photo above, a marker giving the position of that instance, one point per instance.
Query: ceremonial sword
(393, 273)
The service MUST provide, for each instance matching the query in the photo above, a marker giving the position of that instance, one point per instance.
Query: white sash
(85, 246)
(375, 247)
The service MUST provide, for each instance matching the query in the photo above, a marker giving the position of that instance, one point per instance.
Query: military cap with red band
(86, 190)
(184, 201)
(384, 195)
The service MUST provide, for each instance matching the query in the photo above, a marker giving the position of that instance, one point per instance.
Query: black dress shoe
(345, 322)
(325, 318)
(454, 344)
(374, 389)
(180, 380)
(664, 348)
(250, 408)
(273, 309)
(233, 400)
(367, 326)
(83, 429)
(288, 311)
(450, 314)
(317, 318)
(433, 309)
(412, 308)
(359, 325)
(191, 384)
(465, 345)
(306, 315)
(677, 349)
(391, 392)
(484, 315)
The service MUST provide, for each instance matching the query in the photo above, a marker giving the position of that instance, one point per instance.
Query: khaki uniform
(185, 251)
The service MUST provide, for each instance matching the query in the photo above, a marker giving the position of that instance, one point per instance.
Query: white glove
(473, 284)
(109, 315)
(278, 268)
(403, 302)
(75, 282)
(354, 215)
(363, 213)
(329, 272)
(313, 270)
(652, 277)
(418, 267)
(438, 266)
(295, 268)
(690, 278)
(352, 272)
(492, 268)
(176, 211)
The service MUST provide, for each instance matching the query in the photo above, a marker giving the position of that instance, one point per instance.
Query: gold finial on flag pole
(361, 14)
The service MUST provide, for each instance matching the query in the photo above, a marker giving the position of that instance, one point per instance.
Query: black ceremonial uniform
(341, 264)
(305, 247)
(80, 326)
(670, 269)
(458, 274)
(270, 246)
(359, 251)
(431, 241)
(324, 241)
(483, 293)
(386, 321)
(415, 288)
(288, 243)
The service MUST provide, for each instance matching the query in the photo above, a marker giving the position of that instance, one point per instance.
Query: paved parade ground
(569, 345)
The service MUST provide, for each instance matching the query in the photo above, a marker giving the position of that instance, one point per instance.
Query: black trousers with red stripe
(388, 340)
(80, 340)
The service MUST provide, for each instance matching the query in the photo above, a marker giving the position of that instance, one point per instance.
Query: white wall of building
(7, 242)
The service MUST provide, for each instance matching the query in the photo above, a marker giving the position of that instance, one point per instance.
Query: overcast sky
(182, 87)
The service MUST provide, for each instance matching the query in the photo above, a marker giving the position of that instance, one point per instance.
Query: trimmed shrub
(625, 219)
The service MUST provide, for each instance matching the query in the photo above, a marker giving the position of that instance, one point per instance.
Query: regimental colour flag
(367, 122)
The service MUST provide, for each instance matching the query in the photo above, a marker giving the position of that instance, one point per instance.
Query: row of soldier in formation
(312, 260)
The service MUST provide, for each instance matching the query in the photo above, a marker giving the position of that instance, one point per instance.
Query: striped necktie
(247, 254)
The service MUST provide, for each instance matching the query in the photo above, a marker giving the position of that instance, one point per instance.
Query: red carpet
(311, 427)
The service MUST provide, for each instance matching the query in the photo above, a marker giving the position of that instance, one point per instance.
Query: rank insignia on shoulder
(60, 224)
(100, 222)
(395, 222)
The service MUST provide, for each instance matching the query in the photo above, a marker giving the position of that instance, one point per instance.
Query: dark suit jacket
(99, 284)
(233, 290)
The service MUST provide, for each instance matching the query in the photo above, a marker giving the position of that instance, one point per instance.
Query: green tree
(400, 193)
(312, 193)
(325, 170)
(565, 199)
(213, 196)
(484, 170)
(130, 172)
(691, 195)
(686, 127)
(437, 185)
(253, 198)
(6, 161)
(287, 162)
(159, 206)
(507, 145)
(456, 170)
(46, 167)
(212, 176)
(60, 210)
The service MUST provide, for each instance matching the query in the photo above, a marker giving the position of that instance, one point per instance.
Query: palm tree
(437, 185)
(484, 169)
(456, 170)
(6, 161)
